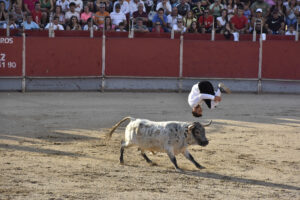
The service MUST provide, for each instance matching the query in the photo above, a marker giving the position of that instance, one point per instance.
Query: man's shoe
(223, 88)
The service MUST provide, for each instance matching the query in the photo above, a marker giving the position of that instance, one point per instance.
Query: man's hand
(217, 99)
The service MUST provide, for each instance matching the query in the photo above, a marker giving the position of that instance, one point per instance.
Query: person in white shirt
(124, 6)
(118, 16)
(55, 25)
(64, 5)
(89, 24)
(79, 5)
(204, 92)
(72, 12)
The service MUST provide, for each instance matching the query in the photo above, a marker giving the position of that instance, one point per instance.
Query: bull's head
(198, 132)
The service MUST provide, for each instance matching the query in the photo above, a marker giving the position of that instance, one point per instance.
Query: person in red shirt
(240, 22)
(205, 22)
(37, 13)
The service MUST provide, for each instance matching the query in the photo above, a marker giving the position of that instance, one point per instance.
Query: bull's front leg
(191, 158)
(173, 160)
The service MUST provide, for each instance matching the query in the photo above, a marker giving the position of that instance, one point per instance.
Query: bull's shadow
(212, 175)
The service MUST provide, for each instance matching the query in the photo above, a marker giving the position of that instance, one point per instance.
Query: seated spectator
(222, 21)
(239, 22)
(12, 24)
(275, 23)
(247, 12)
(18, 14)
(188, 19)
(133, 6)
(215, 8)
(124, 7)
(37, 14)
(165, 4)
(291, 30)
(64, 4)
(291, 13)
(78, 5)
(100, 14)
(121, 28)
(157, 28)
(89, 25)
(85, 15)
(194, 28)
(108, 24)
(262, 5)
(73, 24)
(55, 25)
(71, 13)
(29, 24)
(3, 14)
(231, 8)
(61, 16)
(172, 18)
(183, 7)
(118, 16)
(108, 5)
(280, 7)
(47, 6)
(29, 5)
(140, 13)
(206, 22)
(140, 27)
(7, 4)
(179, 27)
(161, 18)
(258, 22)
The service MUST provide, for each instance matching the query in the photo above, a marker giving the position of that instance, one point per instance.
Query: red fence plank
(281, 60)
(63, 56)
(142, 57)
(11, 56)
(222, 59)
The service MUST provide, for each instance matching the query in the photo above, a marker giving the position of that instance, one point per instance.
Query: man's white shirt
(195, 97)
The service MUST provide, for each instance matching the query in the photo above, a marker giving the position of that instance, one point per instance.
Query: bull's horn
(204, 125)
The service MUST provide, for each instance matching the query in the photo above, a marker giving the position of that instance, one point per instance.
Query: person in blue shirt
(29, 24)
(162, 18)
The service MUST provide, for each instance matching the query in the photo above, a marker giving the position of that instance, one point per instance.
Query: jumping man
(204, 91)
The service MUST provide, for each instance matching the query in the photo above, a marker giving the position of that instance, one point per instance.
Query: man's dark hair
(195, 114)
(72, 4)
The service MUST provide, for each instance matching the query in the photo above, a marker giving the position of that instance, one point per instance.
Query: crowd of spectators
(184, 16)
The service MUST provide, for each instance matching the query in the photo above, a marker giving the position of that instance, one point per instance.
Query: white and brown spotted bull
(171, 137)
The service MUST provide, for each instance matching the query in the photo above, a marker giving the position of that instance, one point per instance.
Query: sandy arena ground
(52, 147)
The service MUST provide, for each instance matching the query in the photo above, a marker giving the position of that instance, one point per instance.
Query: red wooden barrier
(154, 57)
(63, 56)
(11, 56)
(142, 57)
(281, 60)
(222, 59)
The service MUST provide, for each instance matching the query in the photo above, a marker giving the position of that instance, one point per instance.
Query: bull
(171, 137)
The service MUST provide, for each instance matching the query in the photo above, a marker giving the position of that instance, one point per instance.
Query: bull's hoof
(121, 162)
(178, 170)
(200, 167)
(153, 164)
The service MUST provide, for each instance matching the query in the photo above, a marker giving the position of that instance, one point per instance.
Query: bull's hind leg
(123, 146)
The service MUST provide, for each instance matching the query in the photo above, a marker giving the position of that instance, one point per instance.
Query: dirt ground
(52, 147)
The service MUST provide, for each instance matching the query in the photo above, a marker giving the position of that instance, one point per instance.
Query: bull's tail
(109, 134)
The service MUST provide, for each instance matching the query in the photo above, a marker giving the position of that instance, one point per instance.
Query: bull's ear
(190, 128)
